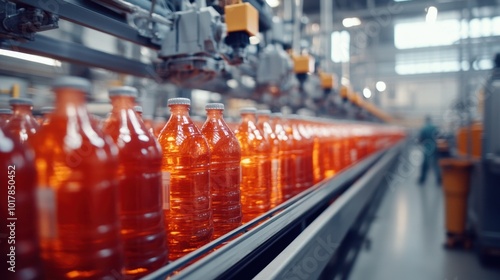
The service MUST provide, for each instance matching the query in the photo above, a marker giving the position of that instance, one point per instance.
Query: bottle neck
(179, 110)
(263, 118)
(214, 114)
(121, 102)
(21, 109)
(248, 118)
(68, 97)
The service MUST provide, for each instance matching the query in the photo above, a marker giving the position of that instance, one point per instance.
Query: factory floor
(406, 238)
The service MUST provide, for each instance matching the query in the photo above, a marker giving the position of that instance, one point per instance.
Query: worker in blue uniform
(428, 140)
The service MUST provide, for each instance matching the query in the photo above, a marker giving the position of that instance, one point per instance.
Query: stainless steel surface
(77, 53)
(310, 252)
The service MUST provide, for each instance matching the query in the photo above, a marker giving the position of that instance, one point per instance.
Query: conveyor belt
(271, 245)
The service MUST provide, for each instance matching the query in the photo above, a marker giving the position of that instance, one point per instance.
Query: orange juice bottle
(307, 144)
(264, 124)
(327, 151)
(320, 140)
(186, 189)
(19, 246)
(77, 191)
(224, 171)
(139, 182)
(298, 154)
(22, 123)
(5, 115)
(286, 167)
(256, 179)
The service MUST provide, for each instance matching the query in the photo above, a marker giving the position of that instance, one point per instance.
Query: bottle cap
(6, 111)
(277, 115)
(214, 106)
(138, 109)
(264, 112)
(46, 110)
(20, 101)
(248, 110)
(123, 91)
(179, 101)
(72, 82)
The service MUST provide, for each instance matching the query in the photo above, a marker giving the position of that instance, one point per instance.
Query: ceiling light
(32, 58)
(432, 13)
(254, 40)
(345, 81)
(367, 93)
(273, 3)
(381, 86)
(232, 83)
(350, 22)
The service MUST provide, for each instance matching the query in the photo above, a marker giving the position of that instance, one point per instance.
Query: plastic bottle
(77, 190)
(17, 211)
(306, 144)
(5, 115)
(140, 190)
(264, 124)
(158, 125)
(298, 156)
(186, 189)
(286, 167)
(224, 171)
(22, 124)
(256, 179)
(319, 142)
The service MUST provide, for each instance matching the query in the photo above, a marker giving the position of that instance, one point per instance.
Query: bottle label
(47, 209)
(165, 179)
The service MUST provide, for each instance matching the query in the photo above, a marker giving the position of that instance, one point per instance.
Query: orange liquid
(77, 194)
(17, 163)
(299, 157)
(22, 124)
(307, 145)
(286, 167)
(186, 159)
(224, 173)
(256, 177)
(264, 125)
(140, 193)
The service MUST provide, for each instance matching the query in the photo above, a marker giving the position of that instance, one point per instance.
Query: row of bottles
(113, 200)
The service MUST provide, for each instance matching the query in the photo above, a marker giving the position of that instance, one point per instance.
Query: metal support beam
(326, 28)
(297, 22)
(77, 53)
(92, 15)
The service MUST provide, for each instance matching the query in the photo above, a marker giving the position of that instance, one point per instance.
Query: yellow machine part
(242, 17)
(372, 109)
(303, 64)
(475, 132)
(344, 92)
(326, 80)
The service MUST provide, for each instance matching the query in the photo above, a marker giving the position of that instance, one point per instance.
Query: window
(341, 41)
(419, 34)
